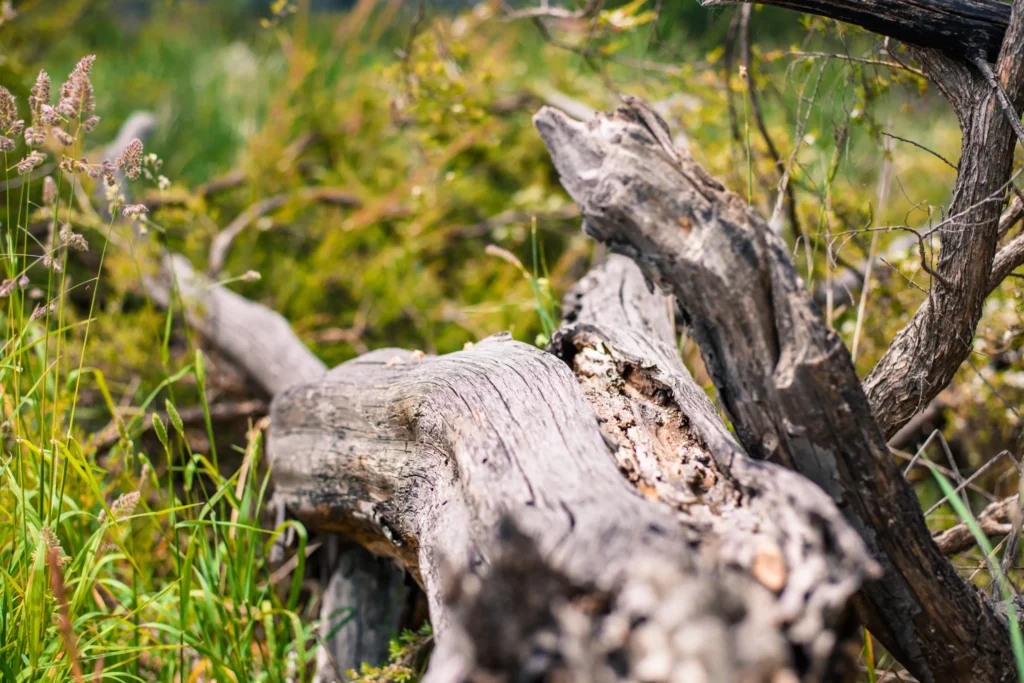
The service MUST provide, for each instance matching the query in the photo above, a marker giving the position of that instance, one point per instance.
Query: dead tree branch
(926, 354)
(786, 380)
(994, 520)
(961, 28)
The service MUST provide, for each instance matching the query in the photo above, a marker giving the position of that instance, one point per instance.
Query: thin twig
(883, 195)
(1004, 100)
(801, 130)
(920, 146)
(755, 107)
(859, 60)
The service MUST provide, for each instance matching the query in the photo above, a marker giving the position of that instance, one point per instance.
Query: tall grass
(117, 563)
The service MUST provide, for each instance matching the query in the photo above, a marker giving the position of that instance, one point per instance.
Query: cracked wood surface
(486, 472)
(786, 381)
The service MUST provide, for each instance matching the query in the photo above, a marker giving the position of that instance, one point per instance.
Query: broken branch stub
(786, 381)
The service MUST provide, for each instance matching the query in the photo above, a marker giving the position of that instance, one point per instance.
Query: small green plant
(115, 565)
(540, 285)
(406, 659)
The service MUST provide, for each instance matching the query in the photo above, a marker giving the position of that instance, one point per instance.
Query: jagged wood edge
(785, 379)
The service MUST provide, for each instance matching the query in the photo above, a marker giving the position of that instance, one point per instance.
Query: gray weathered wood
(487, 474)
(785, 379)
(619, 338)
(959, 27)
(256, 338)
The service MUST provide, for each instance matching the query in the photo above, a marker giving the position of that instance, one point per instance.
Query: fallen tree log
(486, 473)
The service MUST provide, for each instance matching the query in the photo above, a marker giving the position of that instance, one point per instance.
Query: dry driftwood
(785, 379)
(487, 474)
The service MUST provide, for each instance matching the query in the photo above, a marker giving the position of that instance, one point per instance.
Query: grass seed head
(8, 109)
(49, 191)
(130, 159)
(72, 240)
(76, 94)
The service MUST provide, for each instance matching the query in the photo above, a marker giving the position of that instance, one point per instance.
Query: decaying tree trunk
(496, 476)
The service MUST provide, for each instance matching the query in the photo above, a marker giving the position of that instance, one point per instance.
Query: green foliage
(406, 659)
(108, 566)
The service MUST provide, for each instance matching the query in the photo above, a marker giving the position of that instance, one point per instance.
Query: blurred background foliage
(368, 153)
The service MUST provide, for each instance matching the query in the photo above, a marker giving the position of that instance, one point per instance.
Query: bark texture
(923, 358)
(496, 476)
(785, 379)
(958, 27)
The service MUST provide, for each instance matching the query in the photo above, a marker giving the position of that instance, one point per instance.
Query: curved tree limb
(926, 354)
(786, 380)
(1008, 259)
(959, 27)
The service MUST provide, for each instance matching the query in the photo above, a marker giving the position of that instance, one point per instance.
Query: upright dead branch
(786, 381)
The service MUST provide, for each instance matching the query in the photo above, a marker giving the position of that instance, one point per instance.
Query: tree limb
(994, 520)
(925, 355)
(1008, 259)
(786, 380)
(254, 337)
(961, 28)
